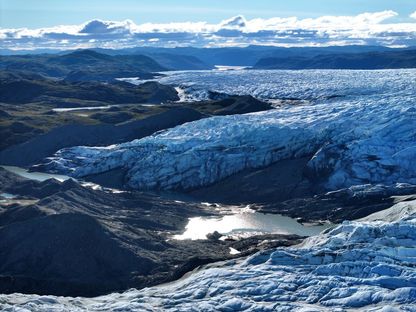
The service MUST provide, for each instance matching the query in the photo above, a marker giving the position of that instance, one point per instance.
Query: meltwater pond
(247, 223)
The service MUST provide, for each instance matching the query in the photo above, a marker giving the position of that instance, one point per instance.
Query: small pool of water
(247, 224)
(38, 176)
(92, 108)
(70, 109)
(7, 195)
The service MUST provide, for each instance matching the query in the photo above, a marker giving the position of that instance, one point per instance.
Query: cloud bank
(363, 29)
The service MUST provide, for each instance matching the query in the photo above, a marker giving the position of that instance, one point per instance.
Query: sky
(47, 13)
(29, 24)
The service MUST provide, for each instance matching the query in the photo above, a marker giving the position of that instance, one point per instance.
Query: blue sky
(45, 13)
(66, 24)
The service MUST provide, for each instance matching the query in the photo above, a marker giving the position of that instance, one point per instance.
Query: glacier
(363, 265)
(358, 128)
(304, 85)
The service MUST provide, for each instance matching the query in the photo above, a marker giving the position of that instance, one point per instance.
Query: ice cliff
(350, 142)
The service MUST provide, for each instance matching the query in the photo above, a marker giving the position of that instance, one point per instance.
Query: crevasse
(364, 137)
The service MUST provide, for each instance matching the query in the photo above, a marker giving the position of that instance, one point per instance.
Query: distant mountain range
(247, 56)
(107, 64)
(19, 88)
(336, 57)
(368, 60)
(82, 65)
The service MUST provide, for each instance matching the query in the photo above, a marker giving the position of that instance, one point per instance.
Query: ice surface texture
(357, 266)
(360, 128)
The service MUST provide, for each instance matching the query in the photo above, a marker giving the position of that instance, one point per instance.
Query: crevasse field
(361, 128)
(359, 125)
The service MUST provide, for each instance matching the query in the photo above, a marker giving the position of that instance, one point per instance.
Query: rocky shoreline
(75, 241)
(63, 238)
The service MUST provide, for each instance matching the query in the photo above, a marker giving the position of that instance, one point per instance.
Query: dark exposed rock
(267, 241)
(4, 114)
(158, 93)
(284, 188)
(106, 75)
(214, 235)
(231, 105)
(113, 109)
(77, 241)
(33, 151)
(331, 206)
(277, 182)
(114, 93)
(20, 127)
(112, 118)
(217, 96)
(240, 105)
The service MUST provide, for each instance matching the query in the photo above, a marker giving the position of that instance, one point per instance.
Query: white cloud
(107, 27)
(413, 15)
(366, 28)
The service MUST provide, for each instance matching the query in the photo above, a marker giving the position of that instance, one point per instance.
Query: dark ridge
(75, 241)
(85, 65)
(231, 105)
(370, 60)
(48, 90)
(33, 151)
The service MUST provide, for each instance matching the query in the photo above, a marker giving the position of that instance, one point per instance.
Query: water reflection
(247, 224)
(70, 109)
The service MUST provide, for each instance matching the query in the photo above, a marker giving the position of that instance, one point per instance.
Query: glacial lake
(239, 223)
(247, 223)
